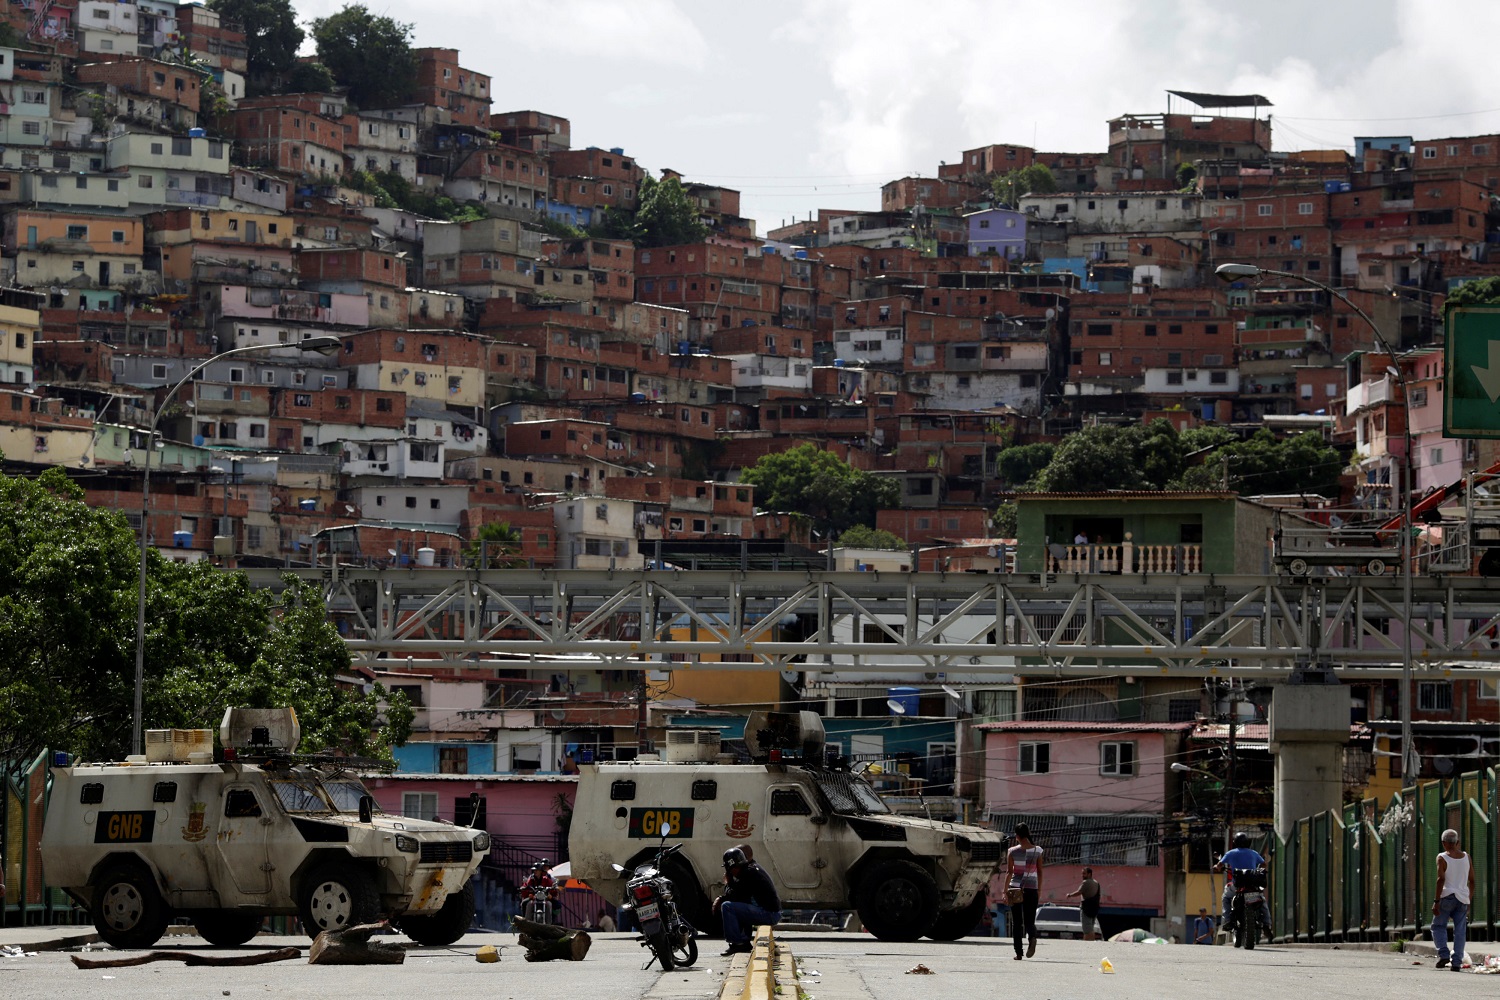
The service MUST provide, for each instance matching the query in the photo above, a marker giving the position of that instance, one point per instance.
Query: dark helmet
(1242, 840)
(541, 865)
(733, 856)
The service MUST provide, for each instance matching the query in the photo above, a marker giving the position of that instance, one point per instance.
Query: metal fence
(1367, 871)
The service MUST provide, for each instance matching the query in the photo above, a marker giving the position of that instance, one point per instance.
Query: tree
(1263, 465)
(309, 78)
(1034, 179)
(68, 586)
(810, 481)
(862, 536)
(272, 37)
(495, 544)
(1019, 465)
(666, 217)
(1481, 291)
(369, 54)
(1095, 459)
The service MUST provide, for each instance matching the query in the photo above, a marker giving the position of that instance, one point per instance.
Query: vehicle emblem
(739, 826)
(195, 829)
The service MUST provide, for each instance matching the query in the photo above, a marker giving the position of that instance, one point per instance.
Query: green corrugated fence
(1367, 873)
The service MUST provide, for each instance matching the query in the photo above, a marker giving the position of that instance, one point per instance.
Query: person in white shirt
(1455, 888)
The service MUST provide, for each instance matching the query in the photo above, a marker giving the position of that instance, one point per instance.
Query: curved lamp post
(1410, 762)
(320, 345)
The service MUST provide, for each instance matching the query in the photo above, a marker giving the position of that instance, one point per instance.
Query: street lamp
(1229, 791)
(1410, 762)
(319, 345)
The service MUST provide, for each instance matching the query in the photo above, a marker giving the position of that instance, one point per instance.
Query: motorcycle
(1246, 904)
(539, 903)
(649, 894)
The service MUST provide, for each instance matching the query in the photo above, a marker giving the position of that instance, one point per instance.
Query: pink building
(1093, 793)
(526, 816)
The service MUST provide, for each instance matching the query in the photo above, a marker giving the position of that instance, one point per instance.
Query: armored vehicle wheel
(951, 925)
(128, 911)
(338, 896)
(691, 903)
(445, 926)
(227, 928)
(897, 901)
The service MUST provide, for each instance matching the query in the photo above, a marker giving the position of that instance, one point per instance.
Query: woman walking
(1023, 886)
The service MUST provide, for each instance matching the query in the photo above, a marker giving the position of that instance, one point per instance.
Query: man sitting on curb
(749, 900)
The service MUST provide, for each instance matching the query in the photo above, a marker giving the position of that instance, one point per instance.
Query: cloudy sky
(810, 104)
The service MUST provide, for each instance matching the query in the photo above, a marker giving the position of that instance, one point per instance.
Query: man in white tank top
(1455, 888)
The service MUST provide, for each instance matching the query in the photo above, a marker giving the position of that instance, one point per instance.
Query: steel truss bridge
(1018, 624)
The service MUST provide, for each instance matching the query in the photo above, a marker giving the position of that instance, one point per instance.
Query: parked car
(1057, 921)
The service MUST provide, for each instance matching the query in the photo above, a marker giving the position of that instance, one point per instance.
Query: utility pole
(1234, 705)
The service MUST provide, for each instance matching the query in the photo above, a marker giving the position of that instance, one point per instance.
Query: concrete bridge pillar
(1309, 729)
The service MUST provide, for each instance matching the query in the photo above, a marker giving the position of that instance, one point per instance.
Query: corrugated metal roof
(1084, 727)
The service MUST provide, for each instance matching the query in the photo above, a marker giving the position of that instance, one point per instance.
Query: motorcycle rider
(1241, 857)
(749, 899)
(540, 884)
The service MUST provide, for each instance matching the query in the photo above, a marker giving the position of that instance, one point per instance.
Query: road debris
(920, 970)
(487, 953)
(352, 946)
(187, 958)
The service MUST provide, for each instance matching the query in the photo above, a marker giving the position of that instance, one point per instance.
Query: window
(1429, 152)
(526, 757)
(240, 803)
(453, 760)
(1117, 759)
(1435, 696)
(419, 805)
(1264, 209)
(789, 802)
(1036, 758)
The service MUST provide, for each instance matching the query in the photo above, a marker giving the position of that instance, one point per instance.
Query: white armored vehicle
(824, 835)
(262, 832)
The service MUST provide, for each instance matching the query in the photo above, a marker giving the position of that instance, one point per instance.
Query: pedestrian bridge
(1056, 625)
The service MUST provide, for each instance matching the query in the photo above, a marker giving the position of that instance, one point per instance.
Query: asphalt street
(831, 967)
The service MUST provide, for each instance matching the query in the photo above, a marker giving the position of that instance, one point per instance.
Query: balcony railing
(1124, 557)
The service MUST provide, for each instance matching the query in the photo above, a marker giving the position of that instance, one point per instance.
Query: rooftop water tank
(426, 556)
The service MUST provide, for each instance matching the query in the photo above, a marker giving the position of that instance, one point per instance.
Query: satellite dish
(558, 714)
(952, 693)
(392, 552)
(378, 233)
(895, 706)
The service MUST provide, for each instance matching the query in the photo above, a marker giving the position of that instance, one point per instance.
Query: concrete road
(832, 966)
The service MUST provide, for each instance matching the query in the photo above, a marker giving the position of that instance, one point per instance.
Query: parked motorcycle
(648, 893)
(1245, 906)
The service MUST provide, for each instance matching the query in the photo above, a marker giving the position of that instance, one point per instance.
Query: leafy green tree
(369, 54)
(68, 590)
(1481, 291)
(1095, 459)
(862, 536)
(271, 38)
(810, 481)
(1019, 465)
(308, 78)
(1263, 465)
(290, 656)
(495, 544)
(666, 217)
(1034, 179)
(1007, 516)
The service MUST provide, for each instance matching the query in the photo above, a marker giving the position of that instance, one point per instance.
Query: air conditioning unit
(693, 745)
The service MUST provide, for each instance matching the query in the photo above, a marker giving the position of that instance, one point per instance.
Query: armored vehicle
(825, 836)
(260, 832)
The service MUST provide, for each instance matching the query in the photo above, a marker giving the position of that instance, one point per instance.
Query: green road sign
(1471, 356)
